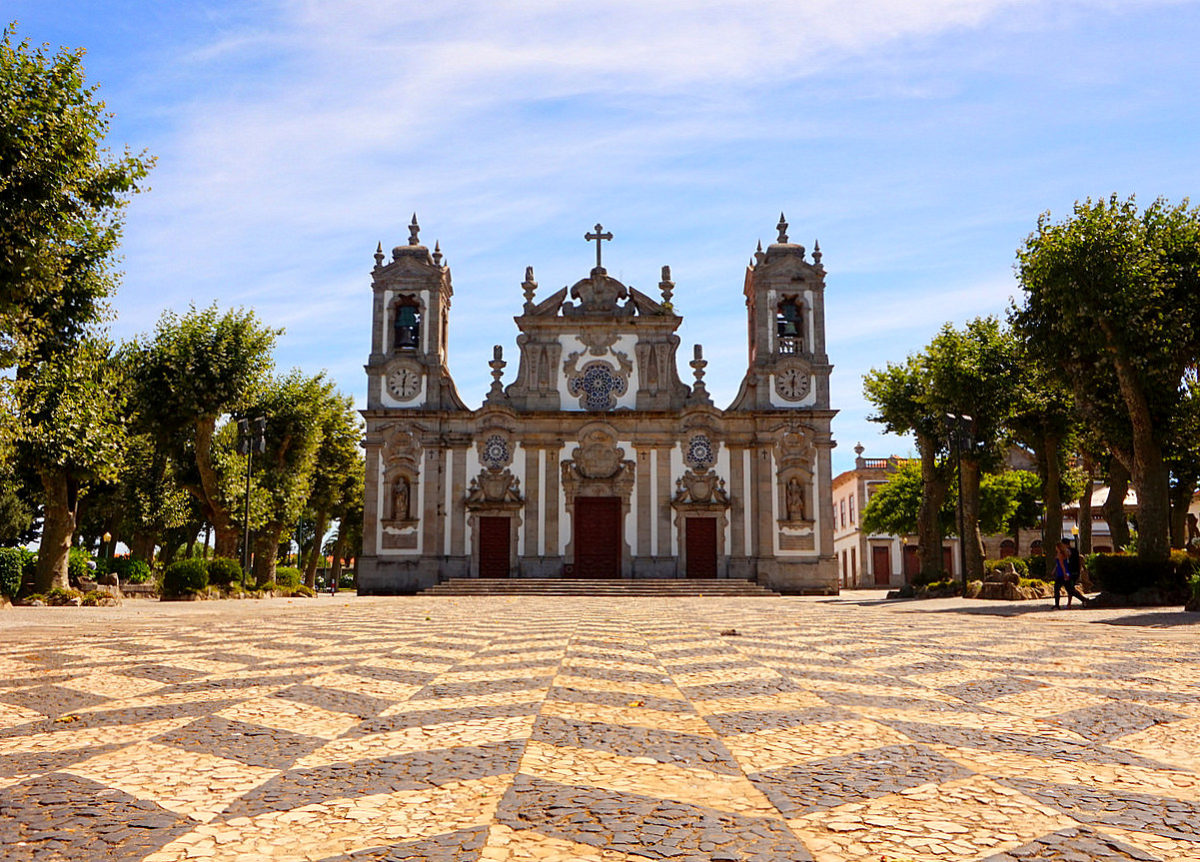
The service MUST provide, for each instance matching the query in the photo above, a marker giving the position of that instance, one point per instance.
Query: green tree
(338, 458)
(1110, 305)
(73, 435)
(900, 395)
(970, 374)
(894, 507)
(194, 371)
(296, 408)
(61, 201)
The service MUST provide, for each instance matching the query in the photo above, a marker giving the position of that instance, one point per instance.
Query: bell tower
(785, 307)
(407, 368)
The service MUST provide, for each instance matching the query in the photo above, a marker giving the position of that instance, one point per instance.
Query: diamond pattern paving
(556, 729)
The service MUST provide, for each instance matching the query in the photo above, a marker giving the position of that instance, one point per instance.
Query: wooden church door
(495, 547)
(700, 534)
(597, 537)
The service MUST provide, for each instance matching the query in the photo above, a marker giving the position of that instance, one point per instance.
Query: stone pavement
(596, 729)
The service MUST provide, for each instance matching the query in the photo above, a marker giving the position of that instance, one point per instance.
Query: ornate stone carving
(598, 466)
(794, 498)
(492, 488)
(598, 384)
(702, 487)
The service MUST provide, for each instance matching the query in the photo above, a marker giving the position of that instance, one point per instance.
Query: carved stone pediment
(598, 466)
(704, 488)
(598, 294)
(492, 488)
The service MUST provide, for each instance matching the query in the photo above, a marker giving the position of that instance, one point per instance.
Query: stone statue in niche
(794, 498)
(401, 492)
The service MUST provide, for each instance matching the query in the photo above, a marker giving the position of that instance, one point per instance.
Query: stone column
(663, 510)
(532, 485)
(645, 508)
(550, 501)
(737, 502)
(458, 512)
(371, 503)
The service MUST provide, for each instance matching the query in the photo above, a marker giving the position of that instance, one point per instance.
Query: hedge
(185, 577)
(1125, 574)
(223, 571)
(11, 566)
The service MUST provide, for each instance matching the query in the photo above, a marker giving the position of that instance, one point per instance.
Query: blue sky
(918, 140)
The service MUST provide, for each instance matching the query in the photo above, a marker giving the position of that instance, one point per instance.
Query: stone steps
(615, 587)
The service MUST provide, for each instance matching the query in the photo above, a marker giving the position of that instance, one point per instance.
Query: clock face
(404, 383)
(791, 383)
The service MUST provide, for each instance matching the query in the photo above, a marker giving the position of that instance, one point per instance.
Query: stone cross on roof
(599, 236)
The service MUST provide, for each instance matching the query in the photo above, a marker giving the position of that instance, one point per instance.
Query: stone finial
(666, 286)
(529, 286)
(781, 227)
(496, 393)
(858, 450)
(379, 255)
(414, 231)
(437, 253)
(817, 252)
(699, 390)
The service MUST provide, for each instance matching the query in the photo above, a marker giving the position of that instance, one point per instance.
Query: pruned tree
(899, 394)
(1110, 305)
(338, 459)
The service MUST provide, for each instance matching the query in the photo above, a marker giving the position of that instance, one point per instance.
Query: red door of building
(700, 535)
(881, 563)
(597, 537)
(495, 547)
(912, 562)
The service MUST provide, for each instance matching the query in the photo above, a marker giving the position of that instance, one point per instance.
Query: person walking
(1064, 578)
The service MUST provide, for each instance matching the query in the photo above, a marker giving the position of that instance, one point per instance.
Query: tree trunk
(973, 542)
(1085, 510)
(1052, 497)
(141, 547)
(339, 548)
(1148, 470)
(266, 548)
(1114, 505)
(215, 512)
(929, 528)
(310, 570)
(1180, 498)
(58, 529)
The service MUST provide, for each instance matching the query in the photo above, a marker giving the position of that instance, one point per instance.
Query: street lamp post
(959, 435)
(251, 439)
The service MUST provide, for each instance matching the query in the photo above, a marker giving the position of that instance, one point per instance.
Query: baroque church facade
(598, 460)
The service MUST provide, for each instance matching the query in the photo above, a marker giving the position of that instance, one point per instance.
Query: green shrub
(287, 576)
(1124, 574)
(136, 571)
(991, 566)
(59, 596)
(97, 598)
(28, 568)
(127, 569)
(269, 587)
(921, 580)
(1035, 567)
(223, 571)
(302, 590)
(78, 564)
(185, 577)
(10, 571)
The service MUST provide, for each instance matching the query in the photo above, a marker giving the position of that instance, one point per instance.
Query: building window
(789, 327)
(406, 327)
(842, 507)
(851, 509)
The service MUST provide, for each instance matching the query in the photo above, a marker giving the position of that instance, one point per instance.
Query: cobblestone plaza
(598, 729)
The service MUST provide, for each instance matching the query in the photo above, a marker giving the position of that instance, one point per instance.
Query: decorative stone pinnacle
(414, 231)
(496, 393)
(698, 363)
(666, 285)
(759, 254)
(817, 252)
(530, 287)
(858, 450)
(598, 235)
(379, 255)
(437, 253)
(781, 227)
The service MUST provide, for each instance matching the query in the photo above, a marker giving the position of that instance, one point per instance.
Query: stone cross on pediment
(598, 236)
